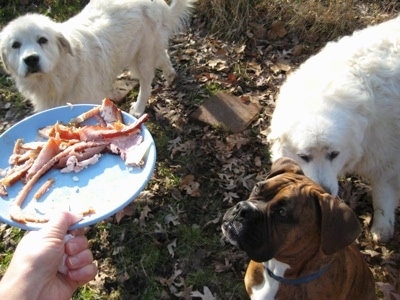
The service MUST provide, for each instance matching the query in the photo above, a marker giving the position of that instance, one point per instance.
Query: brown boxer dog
(299, 239)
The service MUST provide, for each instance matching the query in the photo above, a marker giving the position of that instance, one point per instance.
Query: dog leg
(384, 199)
(146, 75)
(166, 67)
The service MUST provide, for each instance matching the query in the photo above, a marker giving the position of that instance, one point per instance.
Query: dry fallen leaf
(231, 78)
(222, 267)
(388, 290)
(207, 295)
(171, 247)
(255, 67)
(278, 67)
(237, 141)
(187, 180)
(191, 187)
(127, 211)
(258, 30)
(229, 196)
(144, 215)
(297, 50)
(277, 30)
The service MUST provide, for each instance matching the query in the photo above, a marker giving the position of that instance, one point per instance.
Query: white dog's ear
(64, 44)
(3, 56)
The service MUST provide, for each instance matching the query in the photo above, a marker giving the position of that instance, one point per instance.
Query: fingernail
(71, 247)
(73, 261)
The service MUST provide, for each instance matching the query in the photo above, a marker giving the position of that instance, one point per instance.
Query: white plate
(108, 186)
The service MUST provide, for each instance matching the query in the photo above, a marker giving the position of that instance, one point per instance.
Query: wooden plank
(227, 110)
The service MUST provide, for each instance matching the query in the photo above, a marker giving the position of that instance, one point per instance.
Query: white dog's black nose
(32, 60)
(33, 63)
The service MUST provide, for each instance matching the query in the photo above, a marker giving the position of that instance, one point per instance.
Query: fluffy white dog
(77, 61)
(340, 113)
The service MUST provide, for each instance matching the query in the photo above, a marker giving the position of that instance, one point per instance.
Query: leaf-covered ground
(168, 244)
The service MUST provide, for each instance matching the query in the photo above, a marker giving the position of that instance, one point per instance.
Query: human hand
(32, 273)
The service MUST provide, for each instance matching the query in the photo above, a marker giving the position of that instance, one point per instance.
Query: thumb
(59, 224)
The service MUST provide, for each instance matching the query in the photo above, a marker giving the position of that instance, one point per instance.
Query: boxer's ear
(283, 165)
(339, 224)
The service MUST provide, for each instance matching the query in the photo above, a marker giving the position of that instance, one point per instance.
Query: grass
(10, 237)
(9, 94)
(313, 21)
(58, 10)
(228, 18)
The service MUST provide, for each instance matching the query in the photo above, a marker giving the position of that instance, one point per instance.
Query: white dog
(340, 113)
(77, 61)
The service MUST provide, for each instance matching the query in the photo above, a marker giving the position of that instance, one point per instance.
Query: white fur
(268, 289)
(82, 56)
(346, 101)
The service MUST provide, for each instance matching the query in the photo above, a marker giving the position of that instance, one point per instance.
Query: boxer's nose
(244, 209)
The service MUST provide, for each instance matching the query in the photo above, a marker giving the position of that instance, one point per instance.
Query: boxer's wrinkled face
(266, 225)
(288, 214)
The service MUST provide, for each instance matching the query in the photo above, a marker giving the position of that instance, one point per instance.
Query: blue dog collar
(300, 280)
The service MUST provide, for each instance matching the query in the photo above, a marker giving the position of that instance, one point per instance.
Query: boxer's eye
(256, 189)
(304, 157)
(282, 212)
(333, 155)
(16, 45)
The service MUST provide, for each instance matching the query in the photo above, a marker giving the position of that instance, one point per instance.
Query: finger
(79, 260)
(76, 245)
(59, 224)
(84, 274)
(79, 231)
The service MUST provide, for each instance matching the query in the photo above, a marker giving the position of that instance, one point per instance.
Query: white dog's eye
(42, 40)
(304, 157)
(333, 155)
(16, 45)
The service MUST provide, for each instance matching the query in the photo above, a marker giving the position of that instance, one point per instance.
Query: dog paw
(136, 111)
(170, 76)
(382, 228)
